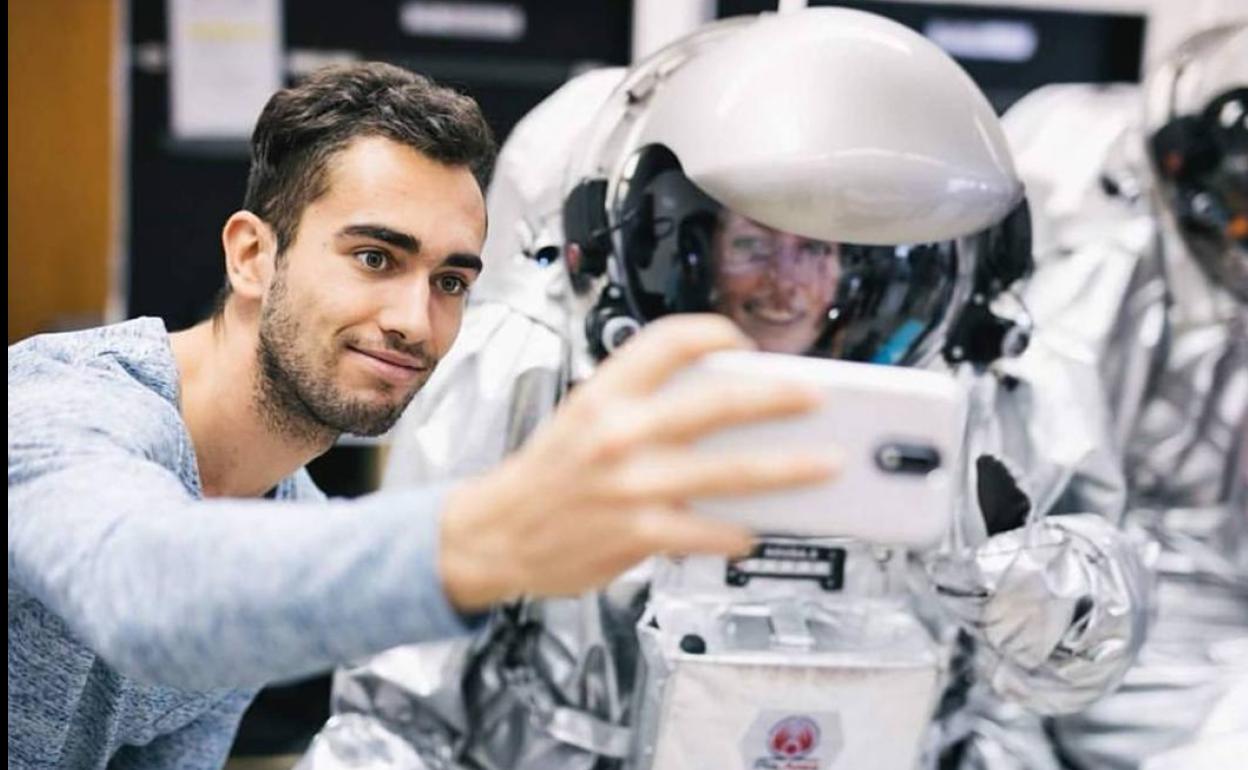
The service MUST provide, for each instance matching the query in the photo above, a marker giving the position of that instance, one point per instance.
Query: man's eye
(451, 284)
(373, 259)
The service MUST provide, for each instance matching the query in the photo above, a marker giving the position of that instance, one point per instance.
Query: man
(147, 602)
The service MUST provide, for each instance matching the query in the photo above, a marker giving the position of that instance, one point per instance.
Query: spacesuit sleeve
(1054, 592)
(1059, 609)
(1105, 303)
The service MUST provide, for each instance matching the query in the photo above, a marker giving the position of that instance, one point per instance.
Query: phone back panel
(897, 431)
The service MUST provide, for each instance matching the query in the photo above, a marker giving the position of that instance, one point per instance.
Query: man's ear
(250, 252)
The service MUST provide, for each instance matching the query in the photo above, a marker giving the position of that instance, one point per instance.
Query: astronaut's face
(776, 286)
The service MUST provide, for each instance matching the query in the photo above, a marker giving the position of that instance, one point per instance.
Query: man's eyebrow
(399, 240)
(469, 261)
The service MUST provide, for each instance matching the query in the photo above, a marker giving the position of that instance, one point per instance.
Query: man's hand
(603, 483)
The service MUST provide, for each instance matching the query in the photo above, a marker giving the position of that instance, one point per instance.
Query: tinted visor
(681, 251)
(1202, 168)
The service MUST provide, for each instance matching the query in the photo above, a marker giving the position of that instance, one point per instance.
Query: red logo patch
(793, 738)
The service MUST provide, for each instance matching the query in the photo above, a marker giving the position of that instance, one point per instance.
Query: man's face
(777, 287)
(370, 294)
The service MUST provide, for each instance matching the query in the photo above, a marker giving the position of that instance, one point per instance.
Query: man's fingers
(666, 530)
(663, 348)
(677, 475)
(688, 413)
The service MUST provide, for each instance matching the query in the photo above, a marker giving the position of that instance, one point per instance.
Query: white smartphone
(897, 430)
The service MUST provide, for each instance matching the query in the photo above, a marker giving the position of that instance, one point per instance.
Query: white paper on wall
(226, 61)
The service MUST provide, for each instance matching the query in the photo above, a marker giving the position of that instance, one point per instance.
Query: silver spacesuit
(1143, 269)
(675, 664)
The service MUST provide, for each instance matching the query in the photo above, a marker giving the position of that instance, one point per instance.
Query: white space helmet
(1196, 124)
(829, 179)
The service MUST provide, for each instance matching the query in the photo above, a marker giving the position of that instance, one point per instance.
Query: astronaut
(845, 192)
(1145, 270)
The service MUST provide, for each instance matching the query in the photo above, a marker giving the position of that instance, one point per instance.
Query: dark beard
(294, 400)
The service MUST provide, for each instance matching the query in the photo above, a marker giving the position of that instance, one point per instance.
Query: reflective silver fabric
(1171, 350)
(1189, 404)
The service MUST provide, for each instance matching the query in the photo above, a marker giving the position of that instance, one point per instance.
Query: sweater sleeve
(198, 594)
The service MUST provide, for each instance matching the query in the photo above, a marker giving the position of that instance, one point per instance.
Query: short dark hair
(301, 128)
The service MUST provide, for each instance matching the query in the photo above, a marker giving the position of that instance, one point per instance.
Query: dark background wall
(1069, 46)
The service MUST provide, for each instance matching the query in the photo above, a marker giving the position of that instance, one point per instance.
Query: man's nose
(406, 312)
